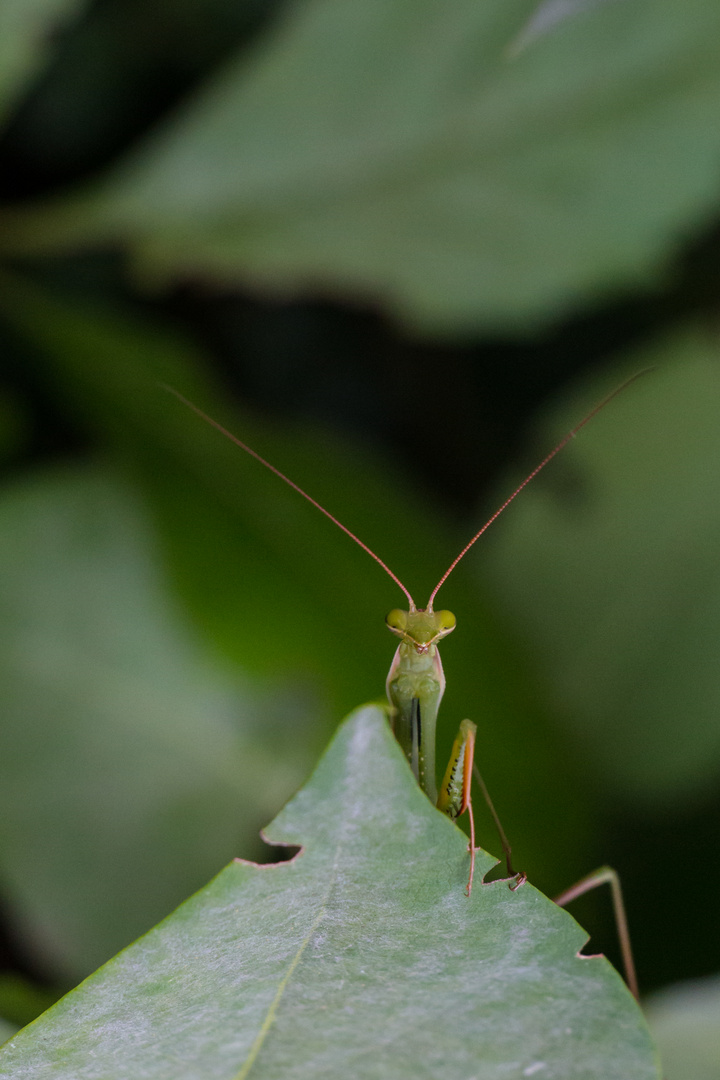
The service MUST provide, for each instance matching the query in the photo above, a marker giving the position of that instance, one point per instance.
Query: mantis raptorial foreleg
(454, 797)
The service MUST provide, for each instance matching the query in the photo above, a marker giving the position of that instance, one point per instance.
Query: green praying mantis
(416, 683)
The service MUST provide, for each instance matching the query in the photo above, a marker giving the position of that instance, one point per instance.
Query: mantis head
(421, 629)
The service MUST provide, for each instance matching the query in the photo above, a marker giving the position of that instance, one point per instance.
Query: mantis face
(421, 629)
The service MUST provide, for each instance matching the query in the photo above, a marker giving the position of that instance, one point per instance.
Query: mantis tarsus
(415, 686)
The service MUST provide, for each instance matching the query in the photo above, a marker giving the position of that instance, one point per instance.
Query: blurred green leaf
(26, 38)
(609, 565)
(685, 1021)
(549, 14)
(21, 1001)
(430, 157)
(131, 767)
(361, 957)
(14, 428)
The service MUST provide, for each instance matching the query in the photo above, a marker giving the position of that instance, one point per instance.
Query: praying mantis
(416, 683)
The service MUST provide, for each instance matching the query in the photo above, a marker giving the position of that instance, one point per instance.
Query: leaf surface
(361, 957)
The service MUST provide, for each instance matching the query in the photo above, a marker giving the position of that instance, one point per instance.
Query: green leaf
(362, 957)
(21, 1001)
(685, 1021)
(609, 566)
(447, 159)
(26, 31)
(130, 764)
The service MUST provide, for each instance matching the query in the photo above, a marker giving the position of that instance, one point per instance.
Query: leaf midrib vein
(275, 1003)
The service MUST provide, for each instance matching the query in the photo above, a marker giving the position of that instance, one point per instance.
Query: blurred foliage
(120, 780)
(20, 1002)
(25, 46)
(375, 242)
(609, 567)
(433, 161)
(635, 541)
(685, 1021)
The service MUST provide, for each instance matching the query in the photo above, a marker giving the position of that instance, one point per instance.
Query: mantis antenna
(296, 487)
(291, 483)
(531, 476)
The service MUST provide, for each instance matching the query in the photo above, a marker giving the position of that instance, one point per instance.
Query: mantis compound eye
(445, 620)
(397, 619)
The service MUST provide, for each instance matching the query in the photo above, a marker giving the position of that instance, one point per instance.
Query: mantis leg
(454, 798)
(607, 876)
(520, 877)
